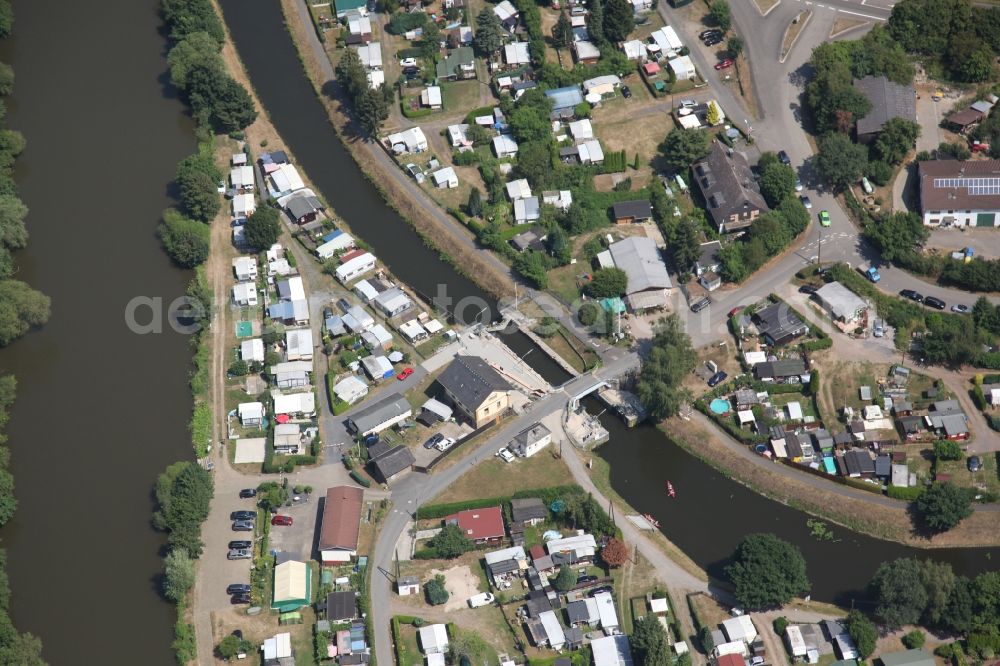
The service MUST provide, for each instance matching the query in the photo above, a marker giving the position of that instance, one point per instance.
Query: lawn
(495, 478)
(985, 479)
(409, 652)
(460, 95)
(563, 281)
(571, 350)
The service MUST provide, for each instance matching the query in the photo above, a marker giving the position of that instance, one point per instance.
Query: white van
(480, 600)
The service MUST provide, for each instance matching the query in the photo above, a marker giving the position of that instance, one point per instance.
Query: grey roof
(780, 369)
(448, 67)
(379, 448)
(727, 184)
(391, 406)
(908, 658)
(889, 100)
(641, 261)
(574, 638)
(471, 381)
(576, 612)
(335, 325)
(341, 605)
(912, 424)
(954, 424)
(708, 254)
(945, 407)
(393, 462)
(883, 465)
(529, 508)
(779, 323)
(301, 205)
(839, 300)
(843, 437)
(527, 437)
(639, 209)
(527, 239)
(565, 98)
(538, 602)
(792, 446)
(504, 566)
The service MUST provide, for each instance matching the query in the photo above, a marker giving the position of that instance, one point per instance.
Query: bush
(430, 511)
(565, 580)
(360, 479)
(915, 639)
(186, 241)
(909, 493)
(436, 592)
(780, 624)
(947, 449)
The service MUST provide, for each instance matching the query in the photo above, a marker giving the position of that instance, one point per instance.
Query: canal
(100, 411)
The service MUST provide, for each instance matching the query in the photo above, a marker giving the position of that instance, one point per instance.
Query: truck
(872, 274)
(481, 599)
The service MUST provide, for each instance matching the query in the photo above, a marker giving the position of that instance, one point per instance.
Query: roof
(953, 185)
(966, 116)
(291, 583)
(637, 208)
(301, 205)
(553, 629)
(341, 518)
(516, 53)
(841, 301)
(581, 129)
(529, 436)
(504, 144)
(889, 100)
(389, 407)
(788, 367)
(278, 647)
(727, 184)
(518, 189)
(505, 10)
(341, 605)
(470, 381)
(477, 524)
(731, 659)
(565, 98)
(779, 323)
(449, 67)
(708, 254)
(606, 610)
(527, 209)
(641, 261)
(740, 628)
(504, 554)
(433, 638)
(529, 508)
(612, 651)
(370, 54)
(908, 658)
(582, 610)
(393, 462)
(586, 50)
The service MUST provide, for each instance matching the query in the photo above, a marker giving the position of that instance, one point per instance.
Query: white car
(798, 185)
(408, 62)
(505, 455)
(445, 444)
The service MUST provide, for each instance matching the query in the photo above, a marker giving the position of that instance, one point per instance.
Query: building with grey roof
(392, 463)
(380, 415)
(889, 100)
(841, 303)
(779, 324)
(475, 389)
(648, 280)
(729, 188)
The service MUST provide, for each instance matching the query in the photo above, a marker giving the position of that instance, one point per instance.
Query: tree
(8, 503)
(840, 161)
(650, 642)
(595, 21)
(475, 204)
(188, 16)
(198, 179)
(607, 283)
(767, 572)
(450, 542)
(562, 32)
(6, 24)
(943, 506)
(879, 172)
(712, 115)
(619, 20)
(897, 235)
(372, 109)
(179, 574)
(683, 147)
(898, 588)
(534, 160)
(559, 246)
(863, 632)
(469, 648)
(897, 138)
(430, 40)
(183, 493)
(705, 639)
(489, 33)
(685, 242)
(532, 266)
(614, 553)
(263, 229)
(583, 512)
(777, 181)
(914, 640)
(351, 73)
(13, 233)
(198, 48)
(970, 58)
(947, 449)
(6, 79)
(722, 15)
(671, 359)
(218, 99)
(565, 580)
(436, 592)
(186, 241)
(735, 46)
(231, 645)
(21, 308)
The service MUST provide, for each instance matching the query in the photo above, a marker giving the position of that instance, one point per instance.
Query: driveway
(984, 242)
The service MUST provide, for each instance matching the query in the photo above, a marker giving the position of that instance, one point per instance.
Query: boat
(652, 521)
(670, 490)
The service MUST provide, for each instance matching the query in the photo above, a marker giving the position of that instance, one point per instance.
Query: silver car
(240, 554)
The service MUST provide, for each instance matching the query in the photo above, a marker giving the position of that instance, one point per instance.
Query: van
(481, 599)
(867, 186)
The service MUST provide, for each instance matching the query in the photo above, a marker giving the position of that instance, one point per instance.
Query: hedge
(360, 479)
(547, 495)
(817, 345)
(901, 493)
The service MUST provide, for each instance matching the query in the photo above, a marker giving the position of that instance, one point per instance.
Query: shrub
(436, 592)
(780, 624)
(915, 639)
(360, 479)
(909, 494)
(947, 449)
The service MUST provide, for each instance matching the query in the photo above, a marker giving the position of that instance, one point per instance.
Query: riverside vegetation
(220, 105)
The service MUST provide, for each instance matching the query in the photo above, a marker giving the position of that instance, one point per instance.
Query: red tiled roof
(730, 660)
(344, 258)
(536, 552)
(479, 523)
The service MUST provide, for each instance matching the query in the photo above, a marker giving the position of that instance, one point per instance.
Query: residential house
(502, 564)
(298, 344)
(504, 146)
(683, 68)
(433, 639)
(602, 85)
(350, 389)
(481, 526)
(392, 302)
(589, 152)
(648, 280)
(294, 404)
(277, 650)
(912, 427)
(356, 319)
(528, 511)
(458, 136)
(378, 339)
(291, 374)
(407, 586)
(283, 179)
(303, 207)
(460, 37)
(964, 120)
(516, 55)
(354, 264)
(413, 331)
(634, 50)
(530, 441)
(243, 205)
(581, 547)
(582, 612)
(708, 258)
(740, 628)
(370, 55)
(507, 14)
(251, 414)
(634, 211)
(561, 199)
(585, 52)
(553, 630)
(377, 366)
(908, 658)
(338, 534)
(459, 64)
(365, 291)
(430, 97)
(581, 129)
(782, 371)
(252, 351)
(245, 294)
(292, 585)
(841, 303)
(475, 389)
(888, 100)
(960, 194)
(407, 141)
(334, 242)
(345, 6)
(242, 178)
(392, 463)
(380, 415)
(778, 324)
(341, 607)
(611, 650)
(527, 210)
(729, 189)
(859, 464)
(607, 616)
(564, 101)
(518, 189)
(841, 640)
(666, 41)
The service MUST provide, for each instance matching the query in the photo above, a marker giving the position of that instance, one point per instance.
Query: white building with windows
(960, 194)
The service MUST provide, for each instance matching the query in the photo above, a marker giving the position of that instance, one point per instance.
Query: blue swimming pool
(719, 406)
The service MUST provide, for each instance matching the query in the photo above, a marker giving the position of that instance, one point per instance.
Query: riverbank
(889, 521)
(423, 216)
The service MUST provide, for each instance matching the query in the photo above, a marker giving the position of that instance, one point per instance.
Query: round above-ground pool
(719, 406)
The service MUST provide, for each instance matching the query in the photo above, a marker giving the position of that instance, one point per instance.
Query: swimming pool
(719, 406)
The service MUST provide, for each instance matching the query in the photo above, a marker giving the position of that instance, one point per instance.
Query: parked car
(724, 64)
(974, 463)
(701, 304)
(713, 40)
(344, 304)
(798, 184)
(404, 373)
(578, 11)
(371, 439)
(586, 579)
(688, 104)
(243, 515)
(408, 62)
(281, 520)
(824, 218)
(433, 440)
(711, 32)
(960, 309)
(240, 554)
(247, 493)
(878, 329)
(240, 544)
(626, 92)
(784, 158)
(243, 526)
(933, 302)
(807, 289)
(505, 455)
(872, 274)
(717, 379)
(238, 588)
(735, 311)
(445, 444)
(806, 201)
(598, 590)
(912, 295)
(240, 599)
(481, 599)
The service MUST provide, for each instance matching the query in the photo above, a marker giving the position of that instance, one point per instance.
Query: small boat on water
(670, 490)
(652, 521)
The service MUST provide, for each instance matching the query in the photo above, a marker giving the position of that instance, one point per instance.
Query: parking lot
(299, 537)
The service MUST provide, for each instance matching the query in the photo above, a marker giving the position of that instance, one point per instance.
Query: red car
(281, 520)
(725, 64)
(404, 373)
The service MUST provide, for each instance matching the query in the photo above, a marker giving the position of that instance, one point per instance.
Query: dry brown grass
(842, 24)
(793, 31)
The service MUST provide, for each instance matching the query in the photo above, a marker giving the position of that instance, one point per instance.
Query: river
(100, 411)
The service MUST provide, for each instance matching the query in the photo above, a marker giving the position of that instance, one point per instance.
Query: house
(392, 302)
(518, 189)
(554, 636)
(303, 206)
(354, 264)
(607, 615)
(407, 585)
(581, 547)
(413, 331)
(781, 371)
(564, 100)
(302, 404)
(392, 463)
(365, 291)
(338, 534)
(667, 40)
(242, 178)
(590, 152)
(350, 389)
(458, 136)
(298, 344)
(859, 464)
(244, 205)
(345, 6)
(841, 303)
(292, 586)
(778, 324)
(601, 85)
(708, 258)
(407, 141)
(729, 189)
(377, 366)
(284, 179)
(291, 374)
(251, 414)
(964, 120)
(516, 55)
(252, 351)
(842, 642)
(634, 211)
(380, 415)
(960, 194)
(504, 146)
(528, 511)
(581, 129)
(527, 210)
(370, 55)
(334, 242)
(561, 199)
(949, 426)
(634, 50)
(433, 639)
(582, 612)
(888, 100)
(277, 650)
(356, 319)
(683, 68)
(710, 281)
(912, 427)
(740, 628)
(648, 280)
(530, 441)
(376, 78)
(476, 390)
(908, 658)
(506, 561)
(459, 64)
(480, 526)
(288, 439)
(611, 651)
(507, 14)
(430, 97)
(341, 607)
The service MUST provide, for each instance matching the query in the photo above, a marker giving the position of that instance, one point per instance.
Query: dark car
(717, 379)
(586, 579)
(344, 304)
(784, 158)
(281, 520)
(975, 463)
(247, 493)
(807, 289)
(240, 544)
(701, 304)
(371, 439)
(411, 72)
(713, 40)
(327, 312)
(238, 588)
(243, 515)
(433, 441)
(710, 33)
(626, 92)
(240, 599)
(243, 526)
(598, 590)
(912, 295)
(933, 302)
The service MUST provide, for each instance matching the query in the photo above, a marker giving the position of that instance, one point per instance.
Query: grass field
(459, 95)
(495, 478)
